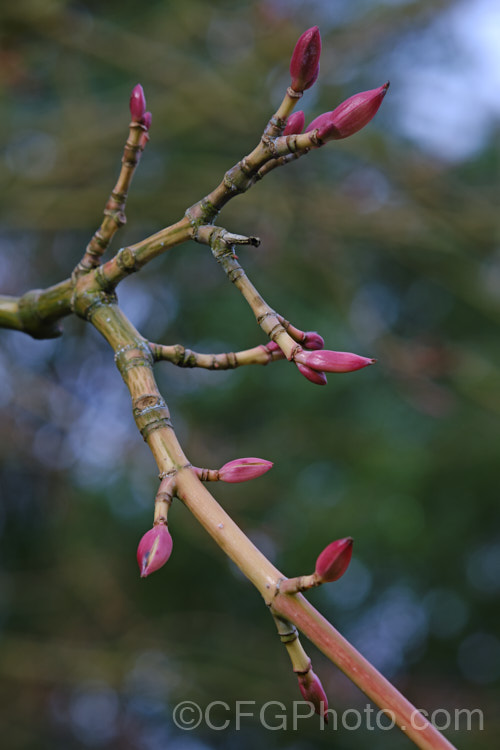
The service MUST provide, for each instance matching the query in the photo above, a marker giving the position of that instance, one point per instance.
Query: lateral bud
(304, 65)
(295, 124)
(333, 562)
(244, 469)
(308, 339)
(272, 346)
(314, 376)
(146, 124)
(312, 340)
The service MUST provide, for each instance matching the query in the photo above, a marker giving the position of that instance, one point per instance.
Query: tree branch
(90, 294)
(308, 620)
(183, 357)
(38, 311)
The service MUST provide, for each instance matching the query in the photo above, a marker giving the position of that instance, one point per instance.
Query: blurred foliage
(387, 250)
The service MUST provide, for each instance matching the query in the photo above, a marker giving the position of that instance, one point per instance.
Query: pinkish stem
(307, 619)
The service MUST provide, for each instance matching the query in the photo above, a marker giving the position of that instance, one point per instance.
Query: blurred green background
(386, 243)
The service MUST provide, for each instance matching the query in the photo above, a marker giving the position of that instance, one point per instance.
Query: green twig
(183, 357)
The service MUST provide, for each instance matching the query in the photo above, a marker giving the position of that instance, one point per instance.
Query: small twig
(298, 584)
(114, 211)
(290, 639)
(279, 162)
(272, 147)
(132, 258)
(163, 499)
(315, 627)
(222, 244)
(183, 357)
(90, 294)
(207, 475)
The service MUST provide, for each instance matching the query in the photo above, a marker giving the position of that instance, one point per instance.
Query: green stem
(131, 259)
(183, 357)
(9, 313)
(289, 637)
(90, 295)
(222, 243)
(114, 211)
(38, 311)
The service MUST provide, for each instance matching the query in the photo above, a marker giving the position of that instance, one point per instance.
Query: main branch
(90, 294)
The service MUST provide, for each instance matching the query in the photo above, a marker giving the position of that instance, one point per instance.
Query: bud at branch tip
(137, 103)
(154, 549)
(329, 361)
(312, 691)
(304, 65)
(350, 116)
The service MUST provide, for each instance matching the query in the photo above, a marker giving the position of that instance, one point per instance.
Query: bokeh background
(387, 243)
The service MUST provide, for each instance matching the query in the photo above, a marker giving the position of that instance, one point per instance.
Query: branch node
(174, 471)
(294, 94)
(85, 303)
(137, 354)
(32, 321)
(126, 260)
(203, 212)
(158, 424)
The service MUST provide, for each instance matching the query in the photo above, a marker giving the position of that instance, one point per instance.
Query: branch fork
(90, 294)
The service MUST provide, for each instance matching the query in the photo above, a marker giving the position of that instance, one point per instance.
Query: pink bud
(314, 78)
(272, 346)
(334, 560)
(244, 469)
(154, 549)
(295, 123)
(146, 120)
(313, 340)
(137, 103)
(315, 376)
(350, 116)
(319, 122)
(312, 691)
(328, 361)
(304, 65)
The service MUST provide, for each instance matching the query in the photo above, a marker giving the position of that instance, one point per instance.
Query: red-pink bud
(137, 103)
(272, 346)
(350, 116)
(320, 122)
(314, 78)
(295, 123)
(244, 469)
(313, 340)
(328, 361)
(312, 691)
(154, 549)
(146, 120)
(315, 376)
(304, 65)
(333, 562)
